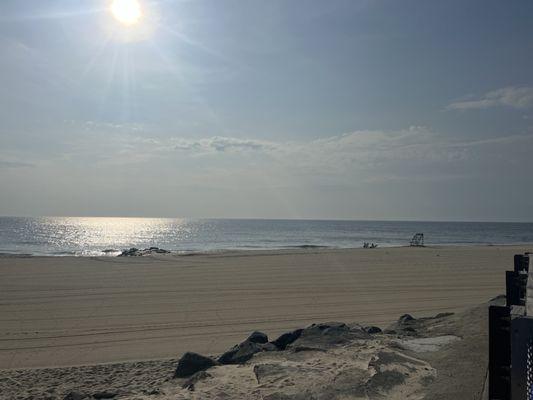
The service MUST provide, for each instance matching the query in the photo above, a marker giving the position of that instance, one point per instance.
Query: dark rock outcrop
(328, 335)
(407, 325)
(134, 252)
(404, 319)
(75, 396)
(258, 337)
(191, 363)
(287, 338)
(104, 395)
(242, 352)
(372, 329)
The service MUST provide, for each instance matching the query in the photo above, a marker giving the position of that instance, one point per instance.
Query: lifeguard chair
(417, 240)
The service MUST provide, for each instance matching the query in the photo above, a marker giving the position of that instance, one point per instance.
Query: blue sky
(279, 109)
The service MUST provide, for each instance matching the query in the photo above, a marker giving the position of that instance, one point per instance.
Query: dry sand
(79, 311)
(442, 357)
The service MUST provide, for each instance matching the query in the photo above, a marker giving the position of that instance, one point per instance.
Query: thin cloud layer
(511, 96)
(220, 144)
(15, 164)
(370, 155)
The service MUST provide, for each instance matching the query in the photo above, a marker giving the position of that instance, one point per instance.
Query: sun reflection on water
(96, 234)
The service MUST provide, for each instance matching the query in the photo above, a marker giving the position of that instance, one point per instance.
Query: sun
(127, 12)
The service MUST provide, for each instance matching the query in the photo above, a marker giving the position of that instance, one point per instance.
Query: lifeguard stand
(417, 240)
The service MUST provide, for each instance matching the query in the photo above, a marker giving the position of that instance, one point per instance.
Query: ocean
(91, 236)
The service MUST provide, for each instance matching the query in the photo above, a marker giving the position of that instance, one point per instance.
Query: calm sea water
(57, 236)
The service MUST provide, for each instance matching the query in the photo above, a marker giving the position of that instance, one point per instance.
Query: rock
(104, 395)
(328, 335)
(372, 329)
(134, 252)
(406, 325)
(156, 250)
(190, 363)
(405, 318)
(269, 347)
(244, 351)
(287, 338)
(197, 377)
(75, 396)
(130, 253)
(258, 337)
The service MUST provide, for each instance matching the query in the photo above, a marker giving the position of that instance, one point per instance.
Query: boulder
(372, 329)
(104, 395)
(258, 337)
(405, 319)
(328, 335)
(134, 252)
(190, 363)
(287, 338)
(240, 353)
(156, 250)
(407, 325)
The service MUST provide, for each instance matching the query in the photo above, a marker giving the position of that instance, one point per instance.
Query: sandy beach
(61, 311)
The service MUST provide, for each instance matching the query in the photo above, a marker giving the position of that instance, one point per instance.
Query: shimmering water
(57, 236)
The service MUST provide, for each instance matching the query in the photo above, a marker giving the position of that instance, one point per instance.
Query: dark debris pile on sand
(134, 252)
(440, 357)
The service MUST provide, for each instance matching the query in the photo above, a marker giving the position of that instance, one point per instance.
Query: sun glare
(127, 12)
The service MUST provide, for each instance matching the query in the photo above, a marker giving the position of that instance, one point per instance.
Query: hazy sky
(273, 109)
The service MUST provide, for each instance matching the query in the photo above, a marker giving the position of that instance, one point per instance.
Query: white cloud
(511, 96)
(412, 153)
(221, 144)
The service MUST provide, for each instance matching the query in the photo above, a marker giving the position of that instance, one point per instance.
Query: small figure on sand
(367, 245)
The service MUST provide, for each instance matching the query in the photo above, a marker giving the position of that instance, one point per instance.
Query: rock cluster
(407, 325)
(134, 252)
(315, 337)
(330, 360)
